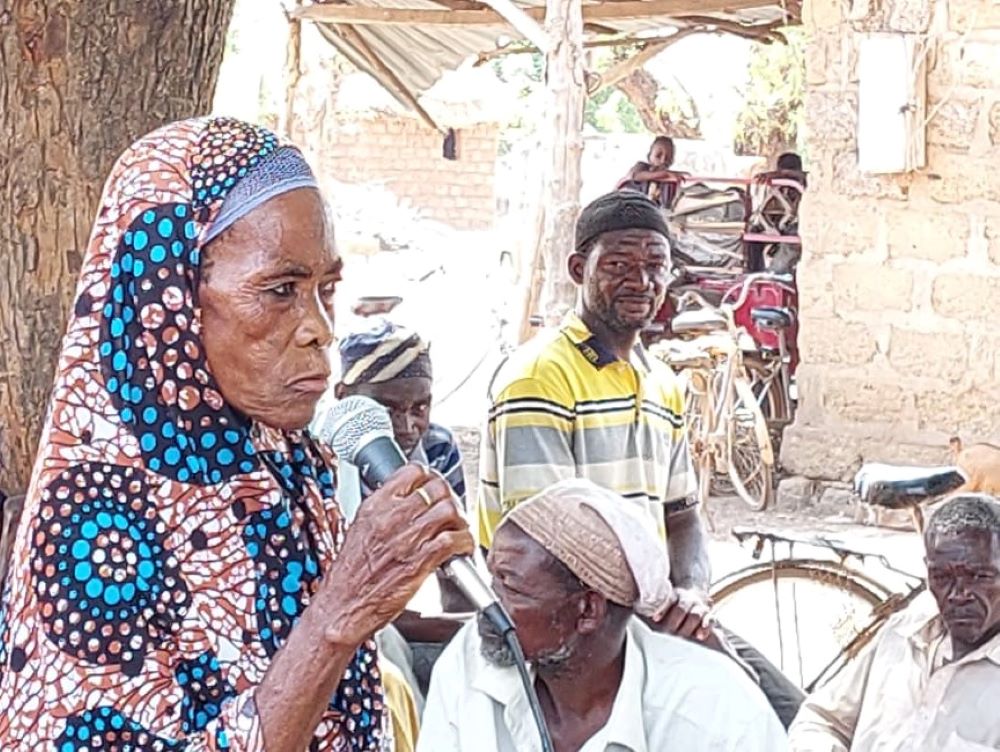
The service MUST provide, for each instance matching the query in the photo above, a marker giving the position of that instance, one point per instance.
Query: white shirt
(904, 693)
(674, 695)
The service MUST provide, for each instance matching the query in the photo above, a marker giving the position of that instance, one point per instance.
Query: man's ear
(575, 265)
(593, 611)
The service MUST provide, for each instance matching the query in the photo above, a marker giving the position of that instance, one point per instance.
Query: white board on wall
(892, 103)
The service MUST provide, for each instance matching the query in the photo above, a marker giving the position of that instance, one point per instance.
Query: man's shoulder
(922, 615)
(543, 364)
(438, 436)
(460, 657)
(661, 374)
(691, 669)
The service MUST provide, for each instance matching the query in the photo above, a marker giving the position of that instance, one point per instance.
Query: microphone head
(352, 423)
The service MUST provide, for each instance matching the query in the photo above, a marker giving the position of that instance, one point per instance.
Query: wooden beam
(622, 70)
(524, 24)
(609, 10)
(461, 4)
(766, 32)
(351, 35)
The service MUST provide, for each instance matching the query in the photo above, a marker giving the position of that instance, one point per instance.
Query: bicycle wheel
(751, 458)
(774, 403)
(696, 407)
(802, 614)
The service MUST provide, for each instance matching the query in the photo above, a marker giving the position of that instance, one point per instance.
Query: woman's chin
(294, 416)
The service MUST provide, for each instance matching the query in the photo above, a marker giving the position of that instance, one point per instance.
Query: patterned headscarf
(383, 353)
(168, 544)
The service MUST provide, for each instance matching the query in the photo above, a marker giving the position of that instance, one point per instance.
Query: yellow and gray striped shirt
(563, 406)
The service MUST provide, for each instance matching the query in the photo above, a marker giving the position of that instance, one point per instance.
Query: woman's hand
(402, 533)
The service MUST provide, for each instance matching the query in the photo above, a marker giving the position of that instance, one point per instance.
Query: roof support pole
(550, 291)
(293, 70)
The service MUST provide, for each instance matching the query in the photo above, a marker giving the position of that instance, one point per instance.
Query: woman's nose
(316, 327)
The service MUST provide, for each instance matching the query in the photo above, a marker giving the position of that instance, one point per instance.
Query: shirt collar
(625, 725)
(592, 349)
(927, 631)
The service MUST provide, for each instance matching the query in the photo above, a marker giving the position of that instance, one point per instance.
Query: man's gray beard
(500, 655)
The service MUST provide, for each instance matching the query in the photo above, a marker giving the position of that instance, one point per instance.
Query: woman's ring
(422, 493)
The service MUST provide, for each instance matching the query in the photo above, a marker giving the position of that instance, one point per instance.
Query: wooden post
(562, 145)
(293, 72)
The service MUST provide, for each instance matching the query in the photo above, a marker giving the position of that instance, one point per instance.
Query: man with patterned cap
(575, 566)
(392, 365)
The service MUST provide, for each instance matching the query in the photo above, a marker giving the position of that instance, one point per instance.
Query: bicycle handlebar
(842, 551)
(743, 286)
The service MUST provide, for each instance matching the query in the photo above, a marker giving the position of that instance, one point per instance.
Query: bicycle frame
(716, 385)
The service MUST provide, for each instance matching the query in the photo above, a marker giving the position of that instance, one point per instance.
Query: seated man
(929, 680)
(575, 567)
(392, 365)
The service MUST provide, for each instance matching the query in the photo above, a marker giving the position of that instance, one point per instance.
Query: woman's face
(266, 297)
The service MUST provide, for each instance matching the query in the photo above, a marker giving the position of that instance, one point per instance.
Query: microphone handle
(379, 458)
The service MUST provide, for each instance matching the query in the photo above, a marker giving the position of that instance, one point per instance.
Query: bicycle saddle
(896, 486)
(699, 320)
(770, 317)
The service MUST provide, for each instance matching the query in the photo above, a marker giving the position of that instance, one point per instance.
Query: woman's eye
(284, 290)
(328, 289)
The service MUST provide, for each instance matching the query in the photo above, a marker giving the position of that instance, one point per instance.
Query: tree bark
(562, 142)
(642, 89)
(79, 81)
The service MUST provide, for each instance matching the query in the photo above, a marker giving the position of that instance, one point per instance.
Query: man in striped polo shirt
(587, 401)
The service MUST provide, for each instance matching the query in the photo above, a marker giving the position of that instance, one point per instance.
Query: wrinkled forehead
(970, 546)
(516, 553)
(638, 242)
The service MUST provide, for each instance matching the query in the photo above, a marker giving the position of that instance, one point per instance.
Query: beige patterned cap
(603, 539)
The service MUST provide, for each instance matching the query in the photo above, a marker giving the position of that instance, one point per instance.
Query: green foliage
(773, 112)
(607, 112)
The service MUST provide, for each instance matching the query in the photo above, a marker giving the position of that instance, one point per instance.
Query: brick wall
(900, 281)
(405, 155)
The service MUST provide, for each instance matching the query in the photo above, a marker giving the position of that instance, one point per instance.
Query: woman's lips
(313, 384)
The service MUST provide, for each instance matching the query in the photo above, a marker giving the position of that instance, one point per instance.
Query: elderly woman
(182, 577)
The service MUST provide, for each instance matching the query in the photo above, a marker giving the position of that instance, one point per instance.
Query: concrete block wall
(900, 279)
(406, 155)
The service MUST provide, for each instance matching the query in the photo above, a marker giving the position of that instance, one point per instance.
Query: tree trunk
(642, 89)
(562, 143)
(79, 81)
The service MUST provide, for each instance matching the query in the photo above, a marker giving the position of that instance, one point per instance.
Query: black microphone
(360, 431)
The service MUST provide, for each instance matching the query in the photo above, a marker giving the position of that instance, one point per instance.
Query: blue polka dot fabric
(170, 544)
(104, 728)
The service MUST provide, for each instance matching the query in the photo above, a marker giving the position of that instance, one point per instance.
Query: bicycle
(727, 432)
(830, 598)
(766, 303)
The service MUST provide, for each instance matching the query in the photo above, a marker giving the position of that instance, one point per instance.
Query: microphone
(360, 431)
